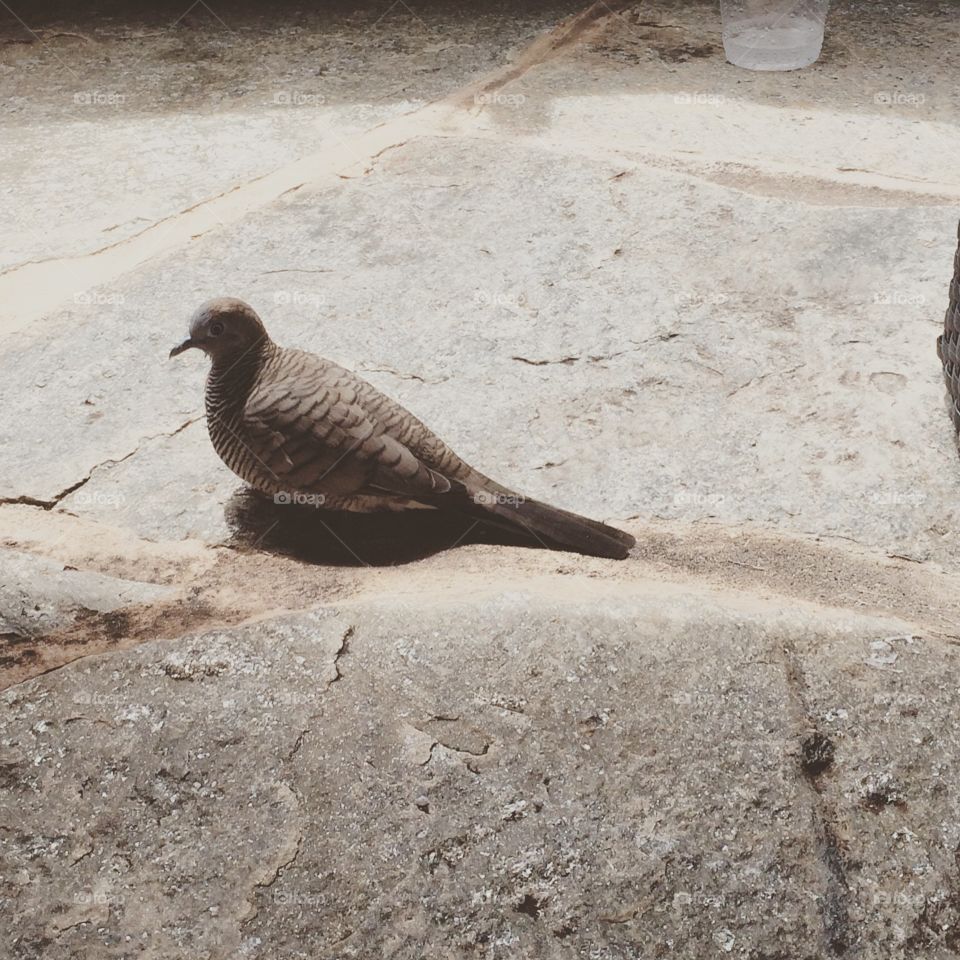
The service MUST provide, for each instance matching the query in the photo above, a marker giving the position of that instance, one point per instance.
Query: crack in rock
(570, 32)
(544, 363)
(265, 273)
(55, 500)
(817, 757)
(373, 160)
(298, 743)
(342, 651)
(402, 376)
(467, 742)
(597, 357)
(29, 501)
(286, 855)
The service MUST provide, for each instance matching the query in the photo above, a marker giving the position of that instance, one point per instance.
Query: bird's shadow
(339, 538)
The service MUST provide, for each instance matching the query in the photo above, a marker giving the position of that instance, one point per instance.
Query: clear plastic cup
(773, 34)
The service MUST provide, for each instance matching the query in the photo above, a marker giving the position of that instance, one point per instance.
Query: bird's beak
(186, 345)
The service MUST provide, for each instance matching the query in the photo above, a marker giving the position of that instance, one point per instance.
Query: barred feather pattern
(228, 386)
(287, 421)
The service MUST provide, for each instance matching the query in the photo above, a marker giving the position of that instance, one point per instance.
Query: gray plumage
(292, 424)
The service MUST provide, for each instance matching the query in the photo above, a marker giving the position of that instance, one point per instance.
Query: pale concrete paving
(613, 271)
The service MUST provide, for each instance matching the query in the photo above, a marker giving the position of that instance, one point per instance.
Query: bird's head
(224, 329)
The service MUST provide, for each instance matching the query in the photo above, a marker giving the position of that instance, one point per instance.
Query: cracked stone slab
(787, 387)
(774, 392)
(134, 494)
(259, 790)
(103, 409)
(170, 90)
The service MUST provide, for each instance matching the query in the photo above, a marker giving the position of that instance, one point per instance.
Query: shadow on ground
(354, 539)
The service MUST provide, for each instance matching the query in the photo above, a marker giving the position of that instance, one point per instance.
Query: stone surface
(536, 771)
(156, 110)
(38, 596)
(794, 398)
(612, 271)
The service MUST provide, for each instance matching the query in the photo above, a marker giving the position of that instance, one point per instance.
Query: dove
(302, 429)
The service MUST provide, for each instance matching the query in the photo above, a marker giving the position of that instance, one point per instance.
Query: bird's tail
(552, 526)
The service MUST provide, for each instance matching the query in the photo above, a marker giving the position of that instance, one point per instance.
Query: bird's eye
(216, 329)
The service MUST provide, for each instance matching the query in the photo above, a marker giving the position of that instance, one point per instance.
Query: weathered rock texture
(230, 729)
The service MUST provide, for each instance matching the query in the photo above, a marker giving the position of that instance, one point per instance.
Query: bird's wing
(314, 434)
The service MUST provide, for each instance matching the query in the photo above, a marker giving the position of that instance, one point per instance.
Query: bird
(302, 429)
